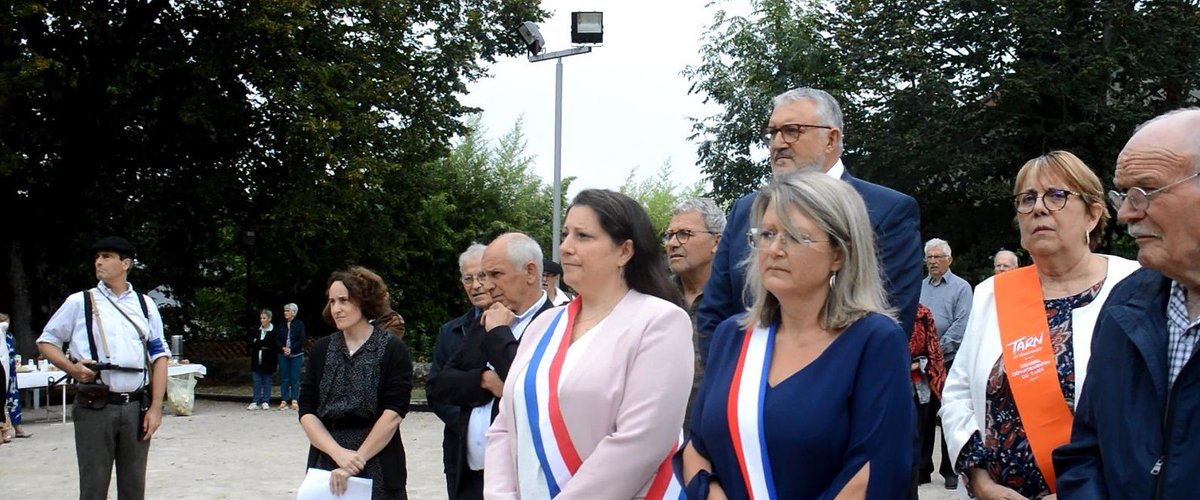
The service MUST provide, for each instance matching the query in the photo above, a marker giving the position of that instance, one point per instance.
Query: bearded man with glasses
(805, 133)
(1140, 409)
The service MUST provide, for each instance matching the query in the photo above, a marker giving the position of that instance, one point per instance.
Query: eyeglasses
(791, 132)
(683, 235)
(1138, 197)
(1053, 199)
(470, 279)
(931, 258)
(762, 239)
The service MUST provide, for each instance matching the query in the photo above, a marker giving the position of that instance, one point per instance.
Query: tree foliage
(659, 194)
(947, 99)
(316, 125)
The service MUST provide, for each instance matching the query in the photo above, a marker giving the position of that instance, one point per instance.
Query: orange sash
(1030, 365)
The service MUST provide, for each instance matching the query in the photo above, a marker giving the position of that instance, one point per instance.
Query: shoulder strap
(145, 309)
(87, 314)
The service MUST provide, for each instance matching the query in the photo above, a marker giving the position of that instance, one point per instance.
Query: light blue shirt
(950, 303)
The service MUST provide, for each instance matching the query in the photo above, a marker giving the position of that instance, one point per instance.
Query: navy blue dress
(851, 405)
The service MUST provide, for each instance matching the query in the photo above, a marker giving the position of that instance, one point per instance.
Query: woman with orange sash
(806, 396)
(593, 405)
(1010, 396)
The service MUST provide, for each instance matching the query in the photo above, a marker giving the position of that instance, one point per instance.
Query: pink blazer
(623, 403)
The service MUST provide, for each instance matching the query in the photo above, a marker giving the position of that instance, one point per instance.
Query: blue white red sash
(744, 412)
(551, 441)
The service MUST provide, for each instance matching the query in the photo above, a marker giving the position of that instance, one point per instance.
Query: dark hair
(624, 219)
(366, 289)
(391, 322)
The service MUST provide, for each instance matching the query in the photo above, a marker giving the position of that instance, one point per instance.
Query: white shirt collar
(103, 287)
(522, 320)
(836, 170)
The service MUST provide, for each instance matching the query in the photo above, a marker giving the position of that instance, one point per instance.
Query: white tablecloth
(37, 380)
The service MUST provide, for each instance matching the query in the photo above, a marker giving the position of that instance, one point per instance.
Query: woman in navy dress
(807, 395)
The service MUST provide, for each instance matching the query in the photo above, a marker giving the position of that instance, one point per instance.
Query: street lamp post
(586, 27)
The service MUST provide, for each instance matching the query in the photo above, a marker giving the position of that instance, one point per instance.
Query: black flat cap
(551, 267)
(116, 244)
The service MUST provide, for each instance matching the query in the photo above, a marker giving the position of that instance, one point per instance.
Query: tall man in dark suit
(474, 378)
(449, 341)
(805, 133)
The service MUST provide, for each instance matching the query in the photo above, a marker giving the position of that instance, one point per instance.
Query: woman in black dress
(356, 389)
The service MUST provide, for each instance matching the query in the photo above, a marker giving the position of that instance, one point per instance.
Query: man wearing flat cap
(551, 273)
(111, 324)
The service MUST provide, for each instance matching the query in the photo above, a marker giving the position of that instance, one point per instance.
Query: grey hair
(1007, 253)
(839, 211)
(291, 306)
(938, 243)
(827, 107)
(473, 252)
(267, 313)
(522, 250)
(714, 219)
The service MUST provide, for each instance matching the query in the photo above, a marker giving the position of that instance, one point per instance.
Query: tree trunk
(22, 314)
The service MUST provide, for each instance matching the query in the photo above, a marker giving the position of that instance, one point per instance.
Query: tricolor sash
(551, 440)
(744, 412)
(1030, 365)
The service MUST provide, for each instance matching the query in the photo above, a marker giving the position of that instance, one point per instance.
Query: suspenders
(87, 315)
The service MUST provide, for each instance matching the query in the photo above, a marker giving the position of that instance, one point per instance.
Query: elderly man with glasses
(449, 341)
(948, 297)
(1139, 413)
(691, 241)
(805, 133)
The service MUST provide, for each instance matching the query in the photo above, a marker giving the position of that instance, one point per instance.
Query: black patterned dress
(349, 394)
(1004, 449)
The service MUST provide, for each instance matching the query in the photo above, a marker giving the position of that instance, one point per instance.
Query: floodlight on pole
(586, 28)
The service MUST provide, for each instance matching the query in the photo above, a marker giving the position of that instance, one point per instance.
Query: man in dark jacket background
(1138, 416)
(473, 378)
(449, 340)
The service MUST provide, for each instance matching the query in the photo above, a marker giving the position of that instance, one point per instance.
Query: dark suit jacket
(1128, 417)
(897, 224)
(458, 381)
(298, 336)
(449, 340)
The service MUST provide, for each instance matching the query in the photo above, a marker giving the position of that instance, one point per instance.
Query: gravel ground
(223, 451)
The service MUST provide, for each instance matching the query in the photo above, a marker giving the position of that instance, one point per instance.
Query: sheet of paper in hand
(316, 487)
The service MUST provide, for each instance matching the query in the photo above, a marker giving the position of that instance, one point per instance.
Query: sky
(626, 105)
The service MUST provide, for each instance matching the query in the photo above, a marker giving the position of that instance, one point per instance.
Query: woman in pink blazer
(620, 358)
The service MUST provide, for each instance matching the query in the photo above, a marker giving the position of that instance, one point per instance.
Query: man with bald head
(1004, 260)
(1138, 417)
(473, 379)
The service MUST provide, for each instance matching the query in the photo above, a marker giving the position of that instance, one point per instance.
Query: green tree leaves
(184, 125)
(659, 194)
(946, 99)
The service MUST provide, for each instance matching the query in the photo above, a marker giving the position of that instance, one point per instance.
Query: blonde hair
(839, 211)
(1077, 176)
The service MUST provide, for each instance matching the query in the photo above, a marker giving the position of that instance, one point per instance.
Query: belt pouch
(91, 395)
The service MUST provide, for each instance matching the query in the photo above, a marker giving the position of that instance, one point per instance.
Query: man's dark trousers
(104, 436)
